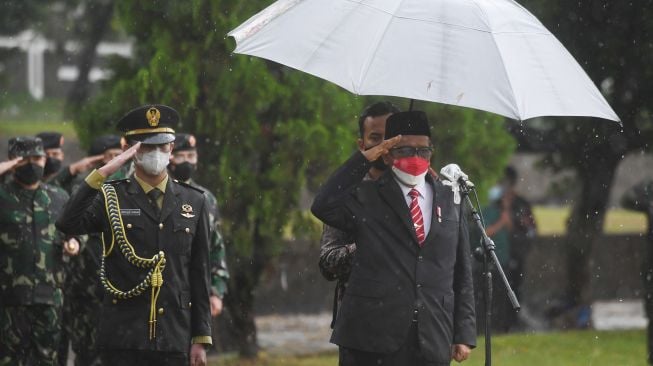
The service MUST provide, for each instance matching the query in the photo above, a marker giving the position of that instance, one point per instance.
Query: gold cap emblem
(153, 116)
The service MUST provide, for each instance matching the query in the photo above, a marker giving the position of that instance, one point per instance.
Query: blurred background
(268, 136)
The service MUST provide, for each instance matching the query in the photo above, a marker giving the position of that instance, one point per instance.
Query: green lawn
(553, 221)
(578, 348)
(20, 115)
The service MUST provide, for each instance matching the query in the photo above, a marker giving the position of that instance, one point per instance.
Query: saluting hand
(84, 164)
(381, 149)
(114, 164)
(5, 166)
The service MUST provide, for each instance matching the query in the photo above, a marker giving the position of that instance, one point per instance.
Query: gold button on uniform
(160, 311)
(187, 230)
(115, 301)
(161, 226)
(129, 226)
(190, 304)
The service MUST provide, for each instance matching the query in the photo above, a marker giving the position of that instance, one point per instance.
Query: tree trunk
(98, 16)
(595, 177)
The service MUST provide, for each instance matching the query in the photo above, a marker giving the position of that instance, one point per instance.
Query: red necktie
(416, 214)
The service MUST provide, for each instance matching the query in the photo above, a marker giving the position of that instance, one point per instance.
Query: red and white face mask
(411, 170)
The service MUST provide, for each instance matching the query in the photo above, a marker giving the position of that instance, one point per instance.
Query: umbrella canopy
(491, 55)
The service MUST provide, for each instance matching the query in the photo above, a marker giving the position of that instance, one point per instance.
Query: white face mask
(408, 179)
(153, 162)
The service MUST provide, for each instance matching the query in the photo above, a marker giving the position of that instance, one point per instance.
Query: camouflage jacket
(31, 249)
(217, 260)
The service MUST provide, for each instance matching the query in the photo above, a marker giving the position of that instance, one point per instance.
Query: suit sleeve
(200, 282)
(336, 253)
(83, 213)
(330, 204)
(464, 310)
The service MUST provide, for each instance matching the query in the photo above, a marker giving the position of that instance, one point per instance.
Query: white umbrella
(491, 55)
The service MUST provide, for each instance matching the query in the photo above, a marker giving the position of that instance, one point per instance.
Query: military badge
(187, 211)
(153, 116)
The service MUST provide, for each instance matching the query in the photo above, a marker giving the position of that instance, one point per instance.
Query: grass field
(20, 115)
(578, 348)
(553, 221)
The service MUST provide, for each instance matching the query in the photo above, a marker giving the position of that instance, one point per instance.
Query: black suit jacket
(392, 278)
(183, 303)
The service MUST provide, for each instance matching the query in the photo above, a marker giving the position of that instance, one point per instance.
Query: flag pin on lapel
(438, 213)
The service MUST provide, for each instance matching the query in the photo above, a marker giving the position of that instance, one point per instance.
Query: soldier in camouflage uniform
(640, 198)
(183, 164)
(337, 249)
(66, 178)
(85, 292)
(31, 253)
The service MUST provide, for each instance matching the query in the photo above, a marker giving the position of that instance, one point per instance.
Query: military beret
(51, 140)
(104, 143)
(25, 146)
(184, 141)
(407, 123)
(150, 124)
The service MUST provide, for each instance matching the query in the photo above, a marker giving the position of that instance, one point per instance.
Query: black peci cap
(185, 141)
(25, 146)
(51, 140)
(104, 143)
(407, 123)
(150, 124)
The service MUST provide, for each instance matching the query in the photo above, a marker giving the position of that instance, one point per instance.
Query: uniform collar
(147, 188)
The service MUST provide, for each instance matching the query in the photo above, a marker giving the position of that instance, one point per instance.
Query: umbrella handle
(410, 107)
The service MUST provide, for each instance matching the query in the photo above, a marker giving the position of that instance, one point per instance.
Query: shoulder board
(114, 182)
(188, 185)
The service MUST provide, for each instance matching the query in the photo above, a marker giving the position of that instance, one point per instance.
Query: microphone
(454, 174)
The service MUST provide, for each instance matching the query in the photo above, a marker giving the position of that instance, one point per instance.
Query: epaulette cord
(156, 264)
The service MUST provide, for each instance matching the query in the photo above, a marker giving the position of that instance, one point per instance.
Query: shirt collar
(421, 187)
(147, 187)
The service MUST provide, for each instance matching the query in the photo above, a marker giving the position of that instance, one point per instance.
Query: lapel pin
(439, 213)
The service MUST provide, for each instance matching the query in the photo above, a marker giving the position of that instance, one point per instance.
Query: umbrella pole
(488, 256)
(410, 107)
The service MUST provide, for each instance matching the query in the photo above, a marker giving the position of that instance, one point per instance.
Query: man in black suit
(155, 262)
(410, 295)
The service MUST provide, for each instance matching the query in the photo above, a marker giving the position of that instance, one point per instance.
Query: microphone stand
(489, 256)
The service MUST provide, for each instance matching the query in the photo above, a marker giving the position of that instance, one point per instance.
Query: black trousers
(408, 355)
(144, 358)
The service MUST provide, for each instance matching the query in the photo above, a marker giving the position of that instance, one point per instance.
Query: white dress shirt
(425, 201)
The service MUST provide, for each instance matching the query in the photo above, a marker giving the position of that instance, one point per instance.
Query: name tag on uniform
(130, 211)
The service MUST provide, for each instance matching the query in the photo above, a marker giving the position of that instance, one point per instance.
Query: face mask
(182, 171)
(410, 171)
(153, 162)
(52, 166)
(29, 173)
(378, 163)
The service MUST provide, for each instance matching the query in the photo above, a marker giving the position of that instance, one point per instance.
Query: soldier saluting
(155, 232)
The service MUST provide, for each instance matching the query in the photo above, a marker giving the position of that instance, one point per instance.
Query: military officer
(154, 269)
(182, 166)
(31, 257)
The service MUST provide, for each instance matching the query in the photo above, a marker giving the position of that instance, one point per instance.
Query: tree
(611, 40)
(266, 132)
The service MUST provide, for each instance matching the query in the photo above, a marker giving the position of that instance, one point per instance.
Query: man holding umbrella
(410, 296)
